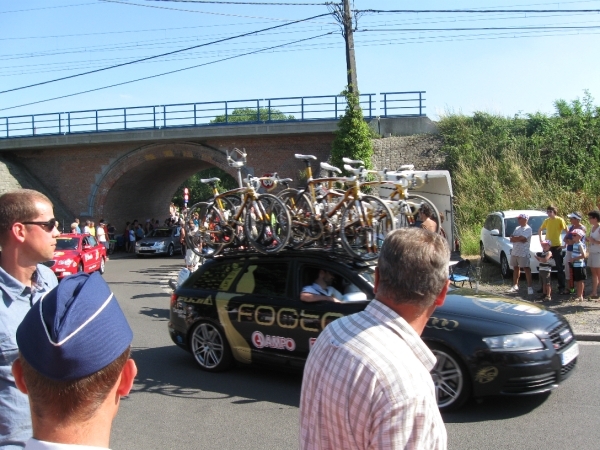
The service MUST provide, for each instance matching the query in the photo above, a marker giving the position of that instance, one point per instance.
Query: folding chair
(462, 272)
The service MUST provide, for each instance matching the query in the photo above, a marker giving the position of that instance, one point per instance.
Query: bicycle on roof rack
(241, 217)
(359, 221)
(404, 205)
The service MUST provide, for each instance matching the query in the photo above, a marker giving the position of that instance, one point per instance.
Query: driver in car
(321, 289)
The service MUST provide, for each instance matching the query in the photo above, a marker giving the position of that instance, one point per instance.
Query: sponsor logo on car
(259, 340)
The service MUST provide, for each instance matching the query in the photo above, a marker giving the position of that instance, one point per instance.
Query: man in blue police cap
(74, 364)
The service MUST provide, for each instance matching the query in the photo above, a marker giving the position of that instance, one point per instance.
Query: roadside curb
(588, 337)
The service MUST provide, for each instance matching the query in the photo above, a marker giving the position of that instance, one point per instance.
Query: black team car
(246, 308)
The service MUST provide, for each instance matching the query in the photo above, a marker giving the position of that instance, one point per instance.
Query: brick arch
(140, 184)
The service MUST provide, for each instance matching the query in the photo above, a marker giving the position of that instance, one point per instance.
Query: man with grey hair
(28, 238)
(367, 381)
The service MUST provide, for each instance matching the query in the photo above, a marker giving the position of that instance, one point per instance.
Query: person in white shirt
(321, 289)
(519, 256)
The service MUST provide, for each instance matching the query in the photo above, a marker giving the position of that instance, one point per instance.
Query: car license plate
(569, 355)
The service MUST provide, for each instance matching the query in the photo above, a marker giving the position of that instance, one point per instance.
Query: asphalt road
(174, 405)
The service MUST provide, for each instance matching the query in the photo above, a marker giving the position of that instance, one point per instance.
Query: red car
(78, 253)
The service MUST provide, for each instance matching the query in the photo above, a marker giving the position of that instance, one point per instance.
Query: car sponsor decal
(259, 340)
(486, 374)
(239, 346)
(289, 318)
(442, 324)
(88, 256)
(510, 307)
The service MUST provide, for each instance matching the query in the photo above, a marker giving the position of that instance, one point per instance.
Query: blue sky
(497, 71)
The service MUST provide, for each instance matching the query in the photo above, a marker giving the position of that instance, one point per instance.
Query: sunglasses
(48, 226)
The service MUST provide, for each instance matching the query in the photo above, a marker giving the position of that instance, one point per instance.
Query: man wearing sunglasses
(28, 238)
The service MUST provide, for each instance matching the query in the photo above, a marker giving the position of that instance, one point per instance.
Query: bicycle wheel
(302, 215)
(214, 232)
(408, 211)
(267, 224)
(364, 225)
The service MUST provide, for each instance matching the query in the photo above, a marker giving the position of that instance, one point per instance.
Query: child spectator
(545, 269)
(578, 255)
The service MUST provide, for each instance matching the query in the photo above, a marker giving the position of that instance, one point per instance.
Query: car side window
(92, 241)
(497, 223)
(489, 223)
(347, 291)
(218, 277)
(264, 279)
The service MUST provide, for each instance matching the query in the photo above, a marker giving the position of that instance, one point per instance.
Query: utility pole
(344, 18)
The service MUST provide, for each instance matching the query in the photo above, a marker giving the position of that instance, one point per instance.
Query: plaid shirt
(367, 386)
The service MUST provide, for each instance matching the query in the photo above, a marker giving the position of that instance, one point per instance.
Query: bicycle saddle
(329, 167)
(285, 180)
(305, 157)
(209, 180)
(352, 161)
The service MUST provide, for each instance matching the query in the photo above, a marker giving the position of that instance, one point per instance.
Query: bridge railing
(284, 109)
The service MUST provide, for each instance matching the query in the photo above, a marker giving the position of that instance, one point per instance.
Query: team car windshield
(67, 243)
(160, 233)
(535, 222)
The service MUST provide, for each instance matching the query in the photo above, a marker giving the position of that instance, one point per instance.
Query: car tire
(210, 347)
(504, 267)
(482, 255)
(102, 268)
(451, 378)
(171, 251)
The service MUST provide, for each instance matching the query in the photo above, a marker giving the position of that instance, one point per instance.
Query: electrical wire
(162, 54)
(473, 11)
(239, 3)
(46, 7)
(166, 73)
(486, 28)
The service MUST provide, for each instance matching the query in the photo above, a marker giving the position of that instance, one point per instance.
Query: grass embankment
(524, 162)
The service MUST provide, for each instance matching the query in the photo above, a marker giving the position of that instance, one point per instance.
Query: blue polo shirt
(15, 419)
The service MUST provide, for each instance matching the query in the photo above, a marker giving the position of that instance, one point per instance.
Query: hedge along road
(174, 405)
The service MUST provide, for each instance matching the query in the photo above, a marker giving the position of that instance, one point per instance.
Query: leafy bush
(353, 137)
(522, 162)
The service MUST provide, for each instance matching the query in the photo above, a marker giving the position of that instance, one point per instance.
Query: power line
(475, 11)
(485, 28)
(162, 54)
(239, 3)
(46, 7)
(166, 73)
(188, 10)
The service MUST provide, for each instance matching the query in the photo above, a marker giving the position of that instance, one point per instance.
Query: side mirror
(495, 232)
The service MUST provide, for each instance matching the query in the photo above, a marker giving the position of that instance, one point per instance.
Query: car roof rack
(337, 255)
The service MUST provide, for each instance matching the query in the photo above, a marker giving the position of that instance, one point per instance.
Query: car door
(260, 311)
(486, 237)
(95, 253)
(496, 234)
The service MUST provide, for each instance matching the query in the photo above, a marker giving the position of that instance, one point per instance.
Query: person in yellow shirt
(554, 226)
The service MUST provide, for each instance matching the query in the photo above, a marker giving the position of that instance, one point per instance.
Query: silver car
(159, 241)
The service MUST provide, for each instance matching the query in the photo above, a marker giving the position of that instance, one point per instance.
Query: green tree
(249, 115)
(353, 137)
(200, 192)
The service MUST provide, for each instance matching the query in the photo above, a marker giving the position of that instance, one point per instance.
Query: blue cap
(77, 329)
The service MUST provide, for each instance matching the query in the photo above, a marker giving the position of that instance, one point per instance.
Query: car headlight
(514, 342)
(159, 244)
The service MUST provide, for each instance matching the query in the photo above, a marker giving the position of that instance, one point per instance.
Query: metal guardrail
(285, 109)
